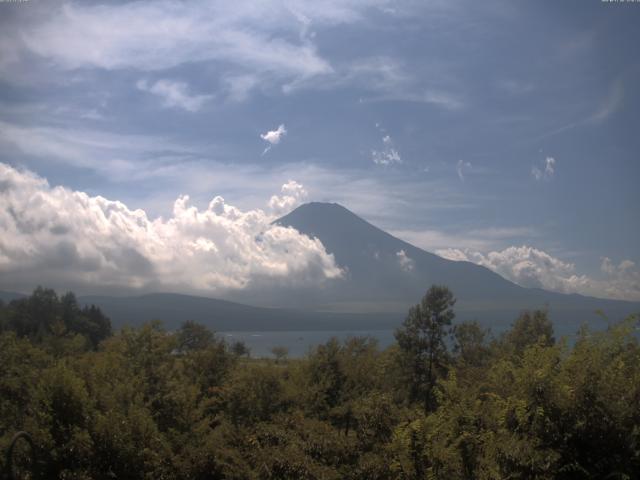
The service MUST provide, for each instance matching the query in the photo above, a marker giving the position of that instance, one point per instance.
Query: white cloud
(545, 172)
(157, 35)
(461, 167)
(405, 262)
(524, 265)
(258, 45)
(174, 94)
(623, 279)
(273, 137)
(388, 155)
(454, 254)
(530, 267)
(293, 194)
(68, 239)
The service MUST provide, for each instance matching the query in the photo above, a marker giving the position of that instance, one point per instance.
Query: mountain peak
(328, 221)
(327, 208)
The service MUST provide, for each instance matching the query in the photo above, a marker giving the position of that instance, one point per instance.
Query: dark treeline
(446, 401)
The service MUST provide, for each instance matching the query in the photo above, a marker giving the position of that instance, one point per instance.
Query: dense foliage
(147, 403)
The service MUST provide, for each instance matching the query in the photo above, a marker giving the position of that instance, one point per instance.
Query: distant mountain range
(383, 277)
(222, 315)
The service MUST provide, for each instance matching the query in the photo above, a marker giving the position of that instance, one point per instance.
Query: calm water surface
(299, 342)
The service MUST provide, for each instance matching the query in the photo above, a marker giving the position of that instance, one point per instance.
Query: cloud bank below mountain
(530, 267)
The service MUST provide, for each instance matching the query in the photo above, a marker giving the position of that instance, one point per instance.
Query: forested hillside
(447, 401)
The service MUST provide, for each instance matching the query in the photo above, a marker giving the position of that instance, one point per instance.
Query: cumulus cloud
(174, 94)
(454, 254)
(461, 167)
(293, 194)
(388, 155)
(406, 263)
(530, 267)
(624, 279)
(273, 137)
(56, 236)
(546, 171)
(526, 266)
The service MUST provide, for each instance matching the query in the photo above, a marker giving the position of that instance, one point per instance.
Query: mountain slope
(384, 273)
(6, 297)
(374, 259)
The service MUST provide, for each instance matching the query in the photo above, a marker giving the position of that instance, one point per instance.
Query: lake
(299, 342)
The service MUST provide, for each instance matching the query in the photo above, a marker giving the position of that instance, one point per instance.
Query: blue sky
(499, 132)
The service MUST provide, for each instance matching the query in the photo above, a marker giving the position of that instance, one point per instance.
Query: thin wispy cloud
(238, 88)
(385, 79)
(546, 171)
(609, 105)
(174, 94)
(115, 156)
(461, 168)
(477, 239)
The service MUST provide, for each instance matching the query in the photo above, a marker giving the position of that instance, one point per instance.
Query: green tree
(325, 378)
(43, 315)
(280, 353)
(194, 336)
(240, 349)
(469, 343)
(253, 393)
(421, 340)
(33, 316)
(529, 329)
(94, 324)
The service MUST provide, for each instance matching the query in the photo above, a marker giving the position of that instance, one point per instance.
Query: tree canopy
(149, 403)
